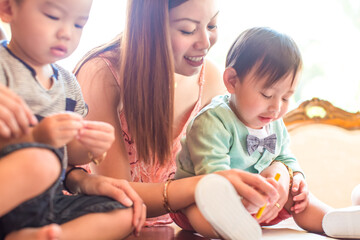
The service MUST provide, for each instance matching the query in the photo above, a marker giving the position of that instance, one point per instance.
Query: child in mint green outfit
(244, 130)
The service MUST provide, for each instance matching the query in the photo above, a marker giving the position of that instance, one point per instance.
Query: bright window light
(327, 32)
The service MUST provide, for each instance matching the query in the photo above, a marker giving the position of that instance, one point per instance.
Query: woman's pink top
(154, 173)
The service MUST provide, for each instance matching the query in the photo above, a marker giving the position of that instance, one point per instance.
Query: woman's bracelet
(290, 171)
(97, 160)
(67, 174)
(165, 196)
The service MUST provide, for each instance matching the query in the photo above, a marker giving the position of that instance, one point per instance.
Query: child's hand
(15, 116)
(300, 193)
(97, 137)
(58, 129)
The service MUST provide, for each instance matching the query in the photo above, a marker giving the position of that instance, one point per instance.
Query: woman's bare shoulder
(94, 65)
(214, 84)
(96, 71)
(97, 81)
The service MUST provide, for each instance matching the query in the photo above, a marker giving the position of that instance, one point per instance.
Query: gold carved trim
(321, 111)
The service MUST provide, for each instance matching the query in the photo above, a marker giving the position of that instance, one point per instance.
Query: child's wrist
(68, 186)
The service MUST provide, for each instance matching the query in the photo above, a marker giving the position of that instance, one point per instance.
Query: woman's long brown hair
(147, 71)
(147, 76)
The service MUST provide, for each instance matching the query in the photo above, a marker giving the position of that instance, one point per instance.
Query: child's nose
(65, 32)
(275, 106)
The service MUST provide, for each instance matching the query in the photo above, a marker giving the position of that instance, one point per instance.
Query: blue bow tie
(254, 142)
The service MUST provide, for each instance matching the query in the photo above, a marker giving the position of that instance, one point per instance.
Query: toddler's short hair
(275, 54)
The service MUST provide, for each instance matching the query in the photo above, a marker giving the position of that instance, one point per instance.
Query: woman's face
(193, 31)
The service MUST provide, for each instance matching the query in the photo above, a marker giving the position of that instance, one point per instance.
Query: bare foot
(49, 232)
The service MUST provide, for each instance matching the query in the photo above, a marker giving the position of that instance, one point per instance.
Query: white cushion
(329, 156)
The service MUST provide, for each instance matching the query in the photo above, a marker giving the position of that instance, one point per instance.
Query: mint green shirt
(216, 140)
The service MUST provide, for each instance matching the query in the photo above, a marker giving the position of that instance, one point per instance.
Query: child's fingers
(67, 121)
(25, 115)
(97, 145)
(99, 126)
(8, 125)
(18, 108)
(96, 135)
(70, 125)
(300, 197)
(299, 207)
(296, 184)
(4, 130)
(14, 118)
(67, 116)
(96, 141)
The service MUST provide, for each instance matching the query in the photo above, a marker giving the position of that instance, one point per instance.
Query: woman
(148, 83)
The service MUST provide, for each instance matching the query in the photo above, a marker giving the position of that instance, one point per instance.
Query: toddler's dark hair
(275, 54)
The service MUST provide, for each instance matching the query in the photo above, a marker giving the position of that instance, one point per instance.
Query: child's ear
(5, 10)
(230, 79)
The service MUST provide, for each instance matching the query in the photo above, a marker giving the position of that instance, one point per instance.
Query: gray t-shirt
(64, 95)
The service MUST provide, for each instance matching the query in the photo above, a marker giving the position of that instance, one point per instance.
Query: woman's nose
(203, 41)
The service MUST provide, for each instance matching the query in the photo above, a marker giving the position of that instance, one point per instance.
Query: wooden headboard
(326, 141)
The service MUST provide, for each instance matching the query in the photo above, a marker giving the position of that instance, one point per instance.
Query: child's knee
(41, 163)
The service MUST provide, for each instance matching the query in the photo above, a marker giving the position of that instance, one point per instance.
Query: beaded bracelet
(66, 175)
(165, 196)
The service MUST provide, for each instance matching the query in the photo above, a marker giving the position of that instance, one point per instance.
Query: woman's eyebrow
(193, 20)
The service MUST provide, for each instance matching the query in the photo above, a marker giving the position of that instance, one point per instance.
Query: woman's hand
(15, 116)
(272, 210)
(255, 189)
(118, 189)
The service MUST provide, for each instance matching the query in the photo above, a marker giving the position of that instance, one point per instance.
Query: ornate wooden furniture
(326, 141)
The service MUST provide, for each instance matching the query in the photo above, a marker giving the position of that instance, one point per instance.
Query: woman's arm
(102, 95)
(252, 187)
